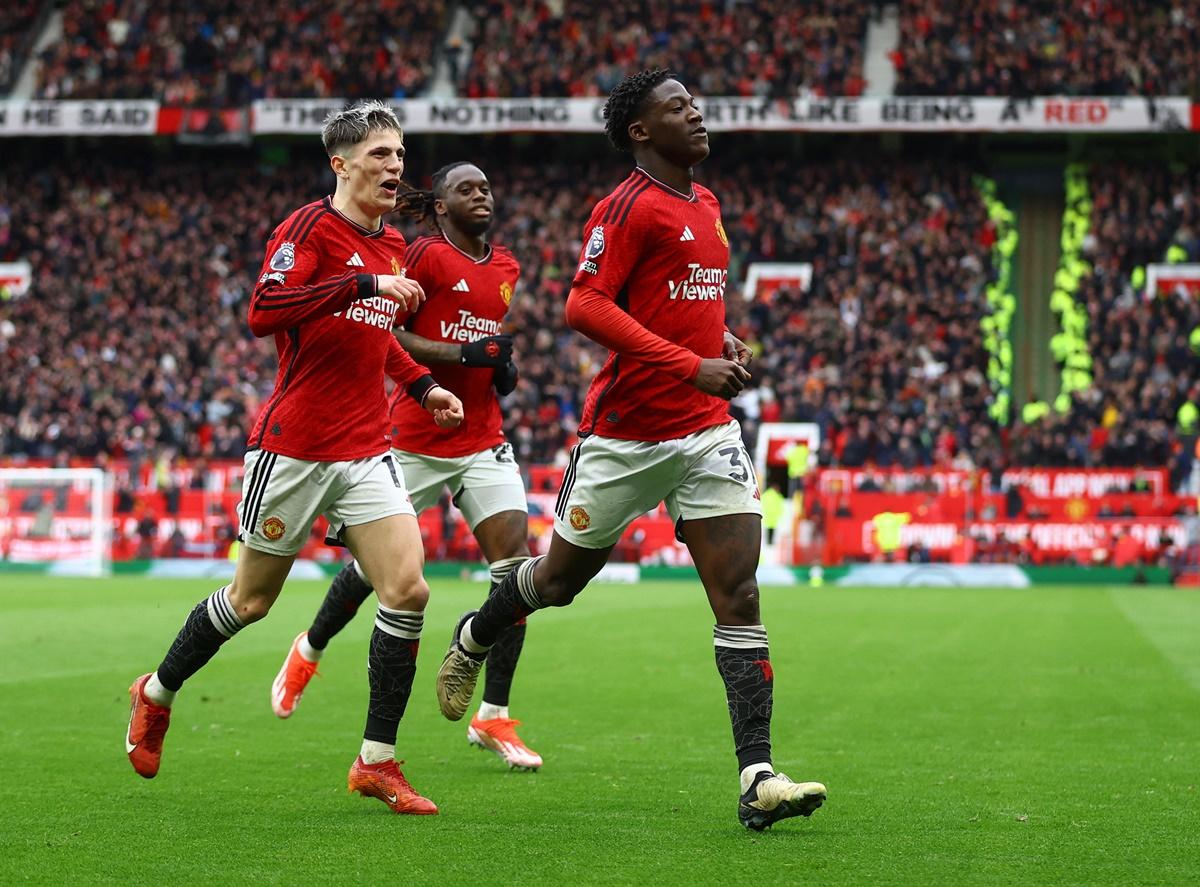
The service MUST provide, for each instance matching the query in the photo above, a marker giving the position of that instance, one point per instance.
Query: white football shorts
(282, 496)
(481, 484)
(609, 483)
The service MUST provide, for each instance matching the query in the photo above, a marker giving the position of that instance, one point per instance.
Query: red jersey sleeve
(600, 319)
(611, 248)
(407, 373)
(286, 294)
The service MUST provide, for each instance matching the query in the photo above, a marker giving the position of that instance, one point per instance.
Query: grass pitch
(1041, 736)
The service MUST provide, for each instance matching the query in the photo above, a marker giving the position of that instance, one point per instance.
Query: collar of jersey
(690, 198)
(365, 232)
(487, 257)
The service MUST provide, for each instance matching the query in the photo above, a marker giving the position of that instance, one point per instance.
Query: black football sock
(211, 623)
(502, 657)
(391, 665)
(513, 600)
(744, 661)
(346, 594)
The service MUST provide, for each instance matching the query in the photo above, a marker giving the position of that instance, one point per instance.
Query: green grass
(1041, 736)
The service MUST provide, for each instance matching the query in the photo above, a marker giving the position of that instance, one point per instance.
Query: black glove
(490, 351)
(505, 378)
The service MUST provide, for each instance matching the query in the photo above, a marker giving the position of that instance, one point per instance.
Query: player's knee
(742, 601)
(249, 605)
(404, 593)
(559, 591)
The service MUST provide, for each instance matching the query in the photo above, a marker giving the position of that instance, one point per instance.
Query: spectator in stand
(16, 33)
(1144, 369)
(769, 48)
(212, 53)
(1052, 47)
(132, 340)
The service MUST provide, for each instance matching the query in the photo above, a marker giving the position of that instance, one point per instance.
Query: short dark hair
(625, 103)
(346, 128)
(418, 204)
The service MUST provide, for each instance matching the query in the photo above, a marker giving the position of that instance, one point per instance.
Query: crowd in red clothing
(1049, 47)
(16, 20)
(217, 53)
(1143, 365)
(134, 337)
(768, 48)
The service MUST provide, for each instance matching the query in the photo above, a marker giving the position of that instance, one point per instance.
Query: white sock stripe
(501, 568)
(525, 583)
(402, 617)
(409, 624)
(727, 644)
(221, 613)
(397, 631)
(742, 629)
(740, 637)
(405, 624)
(362, 575)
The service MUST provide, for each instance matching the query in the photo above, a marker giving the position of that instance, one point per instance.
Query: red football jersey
(465, 300)
(317, 295)
(663, 257)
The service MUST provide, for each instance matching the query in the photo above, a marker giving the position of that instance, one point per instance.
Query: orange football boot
(386, 782)
(499, 735)
(293, 677)
(148, 724)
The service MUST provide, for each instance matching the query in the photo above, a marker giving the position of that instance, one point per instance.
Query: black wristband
(419, 390)
(367, 286)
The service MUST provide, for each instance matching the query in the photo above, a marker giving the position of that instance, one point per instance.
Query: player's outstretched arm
(490, 351)
(600, 319)
(275, 307)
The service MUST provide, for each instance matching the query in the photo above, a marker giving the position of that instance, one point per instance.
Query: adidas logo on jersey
(355, 261)
(687, 234)
(461, 286)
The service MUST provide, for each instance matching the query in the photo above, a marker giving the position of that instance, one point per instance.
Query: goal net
(60, 518)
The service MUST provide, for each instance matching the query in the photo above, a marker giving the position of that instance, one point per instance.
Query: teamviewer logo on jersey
(702, 284)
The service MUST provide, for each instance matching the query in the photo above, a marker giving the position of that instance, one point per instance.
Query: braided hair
(625, 103)
(418, 204)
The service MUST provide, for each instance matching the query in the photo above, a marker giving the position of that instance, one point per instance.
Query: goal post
(56, 518)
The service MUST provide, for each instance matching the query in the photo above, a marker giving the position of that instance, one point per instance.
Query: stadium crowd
(1048, 47)
(215, 53)
(1143, 363)
(141, 281)
(772, 48)
(16, 19)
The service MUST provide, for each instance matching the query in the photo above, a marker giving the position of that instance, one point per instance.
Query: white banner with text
(901, 114)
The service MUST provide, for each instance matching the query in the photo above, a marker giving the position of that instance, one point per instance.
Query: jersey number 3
(740, 473)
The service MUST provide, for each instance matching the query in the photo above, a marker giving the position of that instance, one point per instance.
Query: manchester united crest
(395, 267)
(579, 518)
(721, 233)
(506, 292)
(273, 528)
